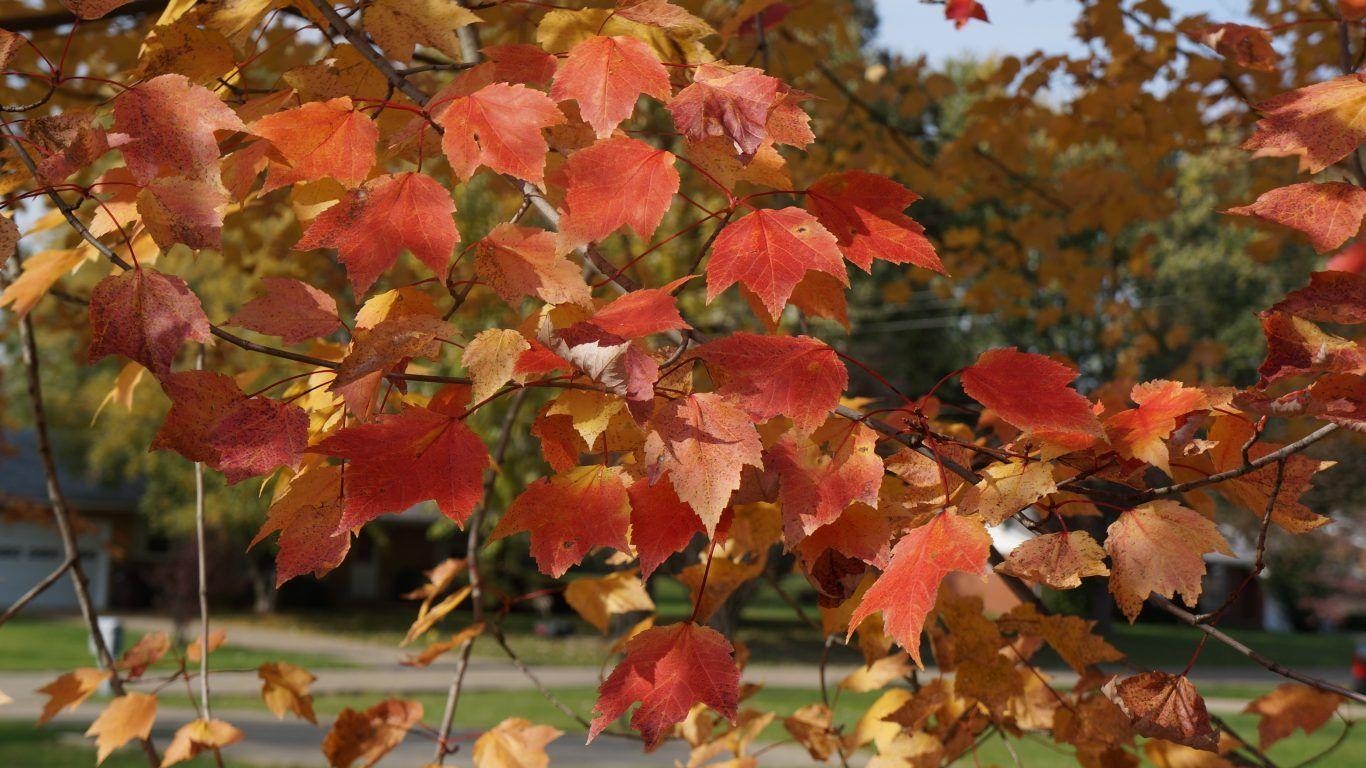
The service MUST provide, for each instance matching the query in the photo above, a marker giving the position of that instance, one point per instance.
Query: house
(30, 547)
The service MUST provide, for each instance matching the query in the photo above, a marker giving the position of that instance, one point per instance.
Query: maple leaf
(183, 210)
(308, 515)
(1295, 346)
(668, 670)
(875, 676)
(960, 12)
(499, 126)
(1292, 706)
(70, 141)
(769, 252)
(319, 140)
(195, 650)
(144, 653)
(865, 212)
(1140, 432)
(406, 458)
(640, 313)
(491, 358)
(377, 350)
(1336, 397)
(198, 736)
(1328, 213)
(615, 182)
(661, 524)
(520, 63)
(398, 26)
(728, 101)
(1072, 637)
(370, 735)
(1319, 123)
(597, 600)
(372, 225)
(1007, 488)
(1245, 46)
(1164, 706)
(1159, 547)
(703, 442)
(284, 688)
(514, 743)
(69, 690)
(145, 316)
(906, 591)
(1031, 392)
(170, 124)
(435, 650)
(813, 727)
(606, 75)
(212, 421)
(623, 366)
(1253, 491)
(1058, 560)
(521, 261)
(125, 718)
(40, 273)
(794, 376)
(665, 15)
(835, 555)
(710, 586)
(9, 239)
(816, 487)
(568, 515)
(1330, 297)
(291, 309)
(92, 9)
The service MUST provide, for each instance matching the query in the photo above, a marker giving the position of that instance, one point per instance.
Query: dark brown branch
(44, 21)
(1283, 452)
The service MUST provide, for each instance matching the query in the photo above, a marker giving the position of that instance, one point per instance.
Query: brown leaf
(1164, 706)
(598, 599)
(284, 687)
(370, 735)
(1292, 706)
(1057, 560)
(144, 653)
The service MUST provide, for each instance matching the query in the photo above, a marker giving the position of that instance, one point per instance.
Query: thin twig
(61, 514)
(35, 591)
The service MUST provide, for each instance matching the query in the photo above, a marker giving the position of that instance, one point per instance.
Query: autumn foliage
(667, 236)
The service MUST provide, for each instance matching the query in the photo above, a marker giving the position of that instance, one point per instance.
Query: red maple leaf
(387, 215)
(406, 458)
(615, 182)
(769, 252)
(1330, 297)
(728, 101)
(212, 421)
(1031, 392)
(1328, 213)
(170, 124)
(606, 75)
(569, 515)
(499, 126)
(817, 485)
(668, 670)
(319, 140)
(703, 442)
(308, 518)
(145, 316)
(661, 524)
(960, 12)
(794, 376)
(865, 212)
(905, 593)
(291, 309)
(523, 261)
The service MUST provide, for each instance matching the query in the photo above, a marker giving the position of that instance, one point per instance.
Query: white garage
(30, 551)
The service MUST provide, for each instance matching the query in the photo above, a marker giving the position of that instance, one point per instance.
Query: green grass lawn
(24, 746)
(33, 644)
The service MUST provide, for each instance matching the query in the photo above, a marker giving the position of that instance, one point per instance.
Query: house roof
(21, 476)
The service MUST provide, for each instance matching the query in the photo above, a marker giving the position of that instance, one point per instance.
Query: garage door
(30, 552)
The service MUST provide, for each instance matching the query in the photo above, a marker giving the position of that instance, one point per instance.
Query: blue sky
(911, 27)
